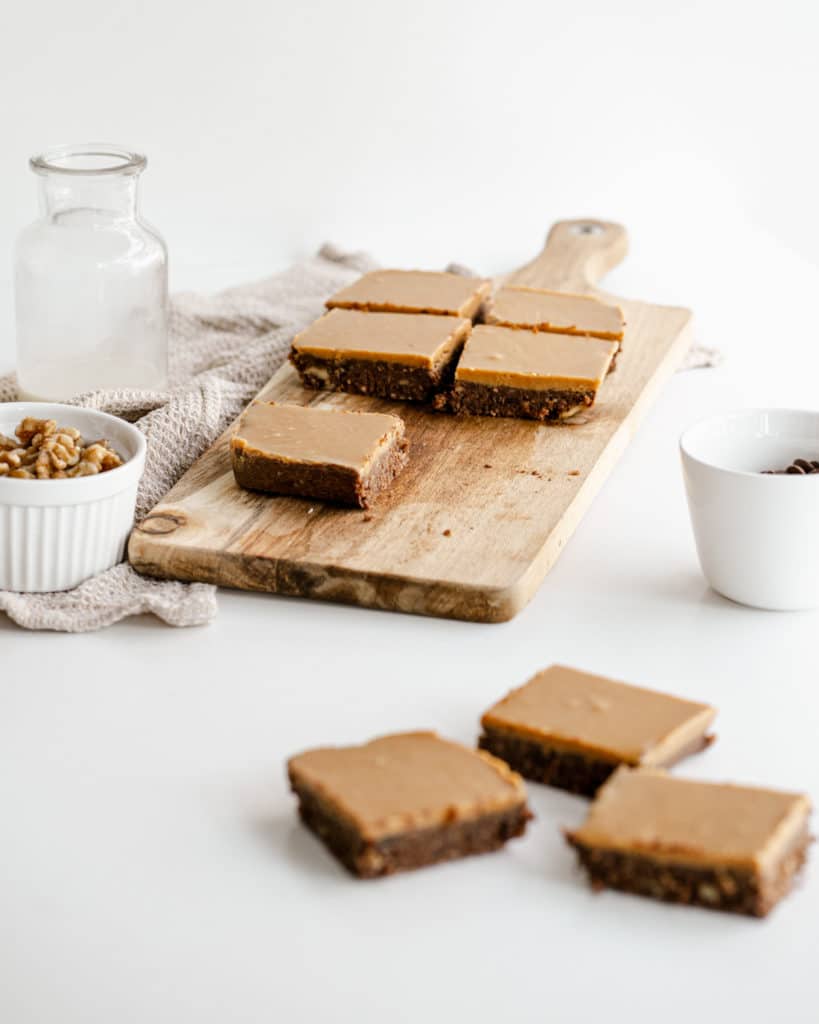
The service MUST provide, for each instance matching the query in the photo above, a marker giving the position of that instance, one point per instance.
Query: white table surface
(152, 870)
(152, 865)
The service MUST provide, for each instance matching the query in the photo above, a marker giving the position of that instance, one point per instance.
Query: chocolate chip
(799, 467)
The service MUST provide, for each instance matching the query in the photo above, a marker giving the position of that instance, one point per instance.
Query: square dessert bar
(407, 800)
(725, 847)
(390, 355)
(413, 291)
(571, 730)
(330, 454)
(507, 371)
(558, 312)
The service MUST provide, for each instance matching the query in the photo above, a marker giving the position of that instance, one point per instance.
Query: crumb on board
(447, 533)
(367, 518)
(487, 465)
(574, 472)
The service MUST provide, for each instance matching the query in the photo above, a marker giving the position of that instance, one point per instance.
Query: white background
(151, 868)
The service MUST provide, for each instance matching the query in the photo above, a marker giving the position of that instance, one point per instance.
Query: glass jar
(90, 279)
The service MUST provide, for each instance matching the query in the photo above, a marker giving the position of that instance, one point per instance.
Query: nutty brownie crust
(376, 377)
(578, 773)
(741, 891)
(381, 378)
(414, 849)
(473, 399)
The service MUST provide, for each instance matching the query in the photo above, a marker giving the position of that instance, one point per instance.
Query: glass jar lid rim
(88, 158)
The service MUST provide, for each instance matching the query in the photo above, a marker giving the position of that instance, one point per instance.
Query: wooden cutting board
(473, 525)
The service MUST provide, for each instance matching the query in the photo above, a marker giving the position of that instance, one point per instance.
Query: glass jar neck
(91, 176)
(112, 194)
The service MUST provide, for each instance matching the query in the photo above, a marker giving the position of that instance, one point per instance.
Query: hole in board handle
(586, 228)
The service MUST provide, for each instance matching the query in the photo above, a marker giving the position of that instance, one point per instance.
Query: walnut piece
(44, 451)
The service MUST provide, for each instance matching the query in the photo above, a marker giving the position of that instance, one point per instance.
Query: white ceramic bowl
(757, 535)
(56, 533)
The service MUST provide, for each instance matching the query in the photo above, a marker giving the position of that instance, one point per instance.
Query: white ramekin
(56, 533)
(757, 535)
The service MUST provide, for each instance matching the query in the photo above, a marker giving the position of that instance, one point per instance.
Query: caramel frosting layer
(646, 811)
(413, 291)
(510, 357)
(293, 433)
(560, 312)
(407, 781)
(591, 714)
(411, 339)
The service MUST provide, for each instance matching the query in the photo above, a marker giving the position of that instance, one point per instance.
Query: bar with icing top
(330, 454)
(720, 846)
(571, 729)
(506, 371)
(407, 800)
(556, 312)
(413, 291)
(389, 355)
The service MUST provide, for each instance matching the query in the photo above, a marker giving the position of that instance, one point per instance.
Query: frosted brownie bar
(556, 312)
(389, 355)
(413, 291)
(571, 730)
(505, 371)
(407, 800)
(330, 454)
(725, 847)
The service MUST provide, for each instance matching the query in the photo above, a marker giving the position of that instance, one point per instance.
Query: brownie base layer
(717, 887)
(338, 484)
(549, 765)
(413, 849)
(578, 773)
(379, 378)
(471, 399)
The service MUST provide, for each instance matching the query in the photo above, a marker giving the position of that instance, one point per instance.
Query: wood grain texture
(472, 526)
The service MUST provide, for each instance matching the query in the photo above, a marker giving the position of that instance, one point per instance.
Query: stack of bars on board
(441, 339)
(412, 799)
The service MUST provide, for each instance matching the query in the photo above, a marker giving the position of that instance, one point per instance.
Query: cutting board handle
(577, 254)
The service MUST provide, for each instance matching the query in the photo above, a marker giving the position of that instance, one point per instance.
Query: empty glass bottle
(91, 279)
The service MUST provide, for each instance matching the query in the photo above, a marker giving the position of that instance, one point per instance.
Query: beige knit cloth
(222, 350)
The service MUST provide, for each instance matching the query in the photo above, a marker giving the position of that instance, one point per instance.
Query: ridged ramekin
(756, 532)
(56, 533)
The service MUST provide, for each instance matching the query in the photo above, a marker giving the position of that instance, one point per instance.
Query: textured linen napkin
(222, 350)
